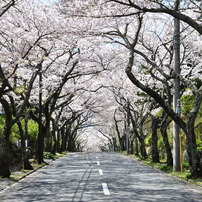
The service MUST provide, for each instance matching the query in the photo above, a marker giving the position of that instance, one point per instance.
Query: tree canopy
(99, 73)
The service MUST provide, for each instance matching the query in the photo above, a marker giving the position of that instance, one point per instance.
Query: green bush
(188, 176)
(48, 155)
(165, 168)
(199, 149)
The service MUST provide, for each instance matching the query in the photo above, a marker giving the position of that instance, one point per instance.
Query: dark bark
(154, 140)
(71, 145)
(121, 139)
(196, 170)
(141, 138)
(7, 7)
(64, 139)
(193, 154)
(4, 161)
(188, 130)
(24, 153)
(26, 163)
(114, 143)
(72, 139)
(4, 140)
(47, 109)
(157, 98)
(54, 148)
(131, 147)
(49, 141)
(53, 132)
(186, 127)
(194, 158)
(4, 166)
(123, 143)
(163, 9)
(40, 145)
(164, 124)
(136, 146)
(12, 116)
(58, 141)
(142, 148)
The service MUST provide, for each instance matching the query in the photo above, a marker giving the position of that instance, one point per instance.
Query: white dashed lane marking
(104, 185)
(105, 189)
(100, 172)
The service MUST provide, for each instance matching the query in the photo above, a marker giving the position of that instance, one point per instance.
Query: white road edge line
(105, 189)
(100, 171)
(98, 163)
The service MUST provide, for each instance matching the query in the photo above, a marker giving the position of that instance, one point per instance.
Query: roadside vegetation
(18, 172)
(73, 71)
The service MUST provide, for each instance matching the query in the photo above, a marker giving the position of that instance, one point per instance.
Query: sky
(49, 1)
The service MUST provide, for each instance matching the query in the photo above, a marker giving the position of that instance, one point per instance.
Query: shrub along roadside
(184, 175)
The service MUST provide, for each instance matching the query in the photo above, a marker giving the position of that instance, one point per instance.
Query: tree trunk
(164, 133)
(4, 140)
(193, 154)
(58, 141)
(127, 144)
(114, 144)
(40, 142)
(142, 143)
(53, 132)
(154, 141)
(63, 145)
(24, 153)
(70, 145)
(67, 133)
(136, 147)
(49, 141)
(121, 139)
(142, 148)
(131, 147)
(26, 163)
(123, 143)
(4, 162)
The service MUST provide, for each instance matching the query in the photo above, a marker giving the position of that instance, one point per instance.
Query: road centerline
(105, 189)
(100, 171)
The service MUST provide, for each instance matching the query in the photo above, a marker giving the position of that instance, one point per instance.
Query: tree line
(57, 59)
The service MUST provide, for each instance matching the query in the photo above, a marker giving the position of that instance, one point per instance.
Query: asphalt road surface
(99, 176)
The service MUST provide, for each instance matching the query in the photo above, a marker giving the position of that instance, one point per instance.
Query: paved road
(88, 177)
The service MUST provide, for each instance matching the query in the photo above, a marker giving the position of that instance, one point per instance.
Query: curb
(13, 182)
(170, 175)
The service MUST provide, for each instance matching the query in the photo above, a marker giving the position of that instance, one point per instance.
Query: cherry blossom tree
(190, 10)
(6, 5)
(80, 50)
(132, 43)
(155, 59)
(34, 42)
(9, 93)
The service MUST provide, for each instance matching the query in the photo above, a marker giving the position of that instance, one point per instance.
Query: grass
(49, 155)
(21, 173)
(184, 175)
